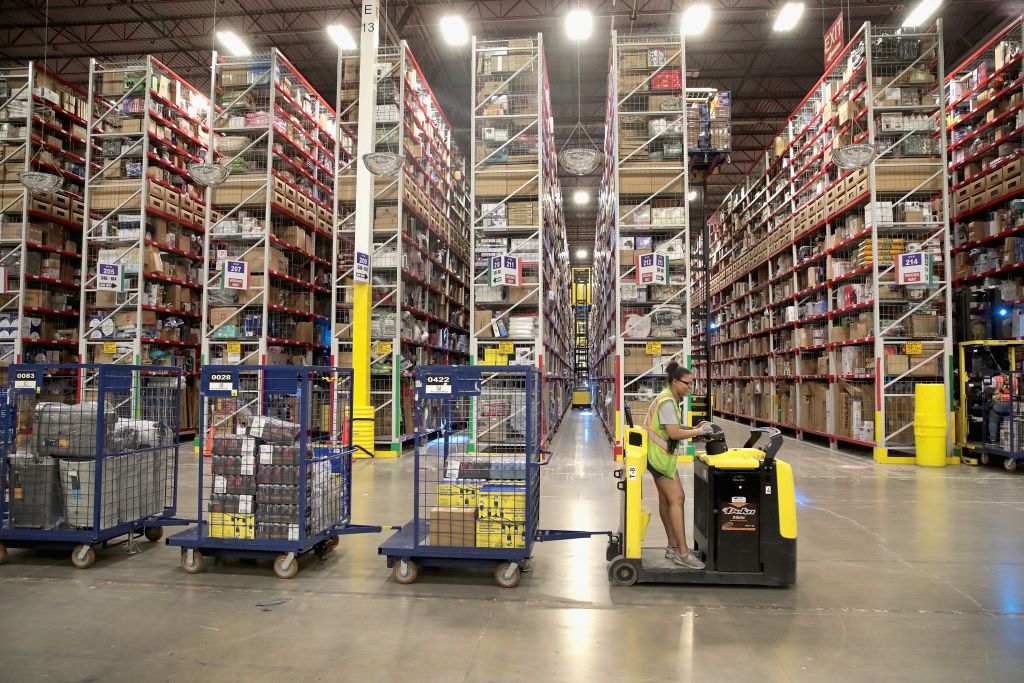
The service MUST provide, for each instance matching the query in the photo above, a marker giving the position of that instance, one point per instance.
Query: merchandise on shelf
(145, 218)
(831, 288)
(42, 128)
(267, 255)
(642, 248)
(521, 296)
(420, 260)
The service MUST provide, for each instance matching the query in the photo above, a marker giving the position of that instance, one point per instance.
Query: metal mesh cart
(90, 454)
(275, 470)
(477, 483)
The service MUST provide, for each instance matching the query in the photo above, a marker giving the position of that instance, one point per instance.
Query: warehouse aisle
(889, 570)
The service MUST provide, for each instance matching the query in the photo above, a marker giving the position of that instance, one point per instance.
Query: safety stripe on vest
(652, 435)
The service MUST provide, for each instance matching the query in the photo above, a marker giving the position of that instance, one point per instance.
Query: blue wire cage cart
(89, 454)
(477, 483)
(275, 472)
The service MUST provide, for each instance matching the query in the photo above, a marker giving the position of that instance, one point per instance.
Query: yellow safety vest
(1002, 392)
(658, 455)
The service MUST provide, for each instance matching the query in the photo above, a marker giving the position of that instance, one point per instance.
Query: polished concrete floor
(905, 574)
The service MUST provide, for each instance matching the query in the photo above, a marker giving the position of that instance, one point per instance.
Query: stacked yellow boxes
(501, 515)
(232, 525)
(888, 249)
(458, 494)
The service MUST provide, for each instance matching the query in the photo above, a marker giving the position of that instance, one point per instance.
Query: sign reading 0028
(223, 383)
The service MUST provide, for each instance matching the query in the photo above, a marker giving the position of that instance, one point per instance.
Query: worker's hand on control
(705, 428)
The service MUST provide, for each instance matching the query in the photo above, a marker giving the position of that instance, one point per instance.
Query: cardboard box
(303, 333)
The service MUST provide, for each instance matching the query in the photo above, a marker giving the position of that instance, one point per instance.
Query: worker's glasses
(687, 382)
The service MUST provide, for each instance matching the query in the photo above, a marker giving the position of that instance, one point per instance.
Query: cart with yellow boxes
(275, 474)
(477, 482)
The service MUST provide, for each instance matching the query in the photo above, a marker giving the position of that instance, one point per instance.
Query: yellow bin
(931, 425)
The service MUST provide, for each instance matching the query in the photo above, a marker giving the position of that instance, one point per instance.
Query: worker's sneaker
(689, 560)
(671, 552)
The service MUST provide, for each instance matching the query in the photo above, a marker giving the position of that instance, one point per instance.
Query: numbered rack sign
(110, 277)
(235, 275)
(652, 269)
(505, 270)
(361, 272)
(914, 269)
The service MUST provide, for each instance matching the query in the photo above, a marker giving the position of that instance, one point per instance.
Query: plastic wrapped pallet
(274, 430)
(69, 431)
(34, 492)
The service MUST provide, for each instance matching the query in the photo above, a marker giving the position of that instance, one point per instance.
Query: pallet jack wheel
(332, 542)
(508, 577)
(985, 459)
(154, 533)
(285, 569)
(623, 572)
(405, 572)
(83, 556)
(3, 553)
(193, 566)
(1010, 464)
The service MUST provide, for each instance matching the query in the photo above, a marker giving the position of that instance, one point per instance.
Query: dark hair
(676, 371)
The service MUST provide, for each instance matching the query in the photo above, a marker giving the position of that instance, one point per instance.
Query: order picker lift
(744, 524)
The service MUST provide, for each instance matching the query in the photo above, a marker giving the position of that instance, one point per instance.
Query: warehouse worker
(665, 429)
(1003, 391)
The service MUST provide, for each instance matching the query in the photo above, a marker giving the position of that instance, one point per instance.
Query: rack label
(506, 347)
(652, 269)
(912, 348)
(362, 267)
(222, 383)
(109, 347)
(235, 275)
(110, 277)
(382, 348)
(438, 385)
(234, 347)
(914, 268)
(505, 270)
(653, 349)
(28, 381)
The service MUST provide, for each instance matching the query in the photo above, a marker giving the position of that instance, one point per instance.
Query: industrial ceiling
(768, 73)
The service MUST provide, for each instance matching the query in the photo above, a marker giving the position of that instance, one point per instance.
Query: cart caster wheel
(83, 556)
(1010, 464)
(405, 572)
(333, 542)
(506, 576)
(984, 459)
(154, 533)
(195, 565)
(623, 573)
(286, 567)
(3, 553)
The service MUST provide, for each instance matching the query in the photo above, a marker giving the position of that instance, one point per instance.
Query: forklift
(744, 525)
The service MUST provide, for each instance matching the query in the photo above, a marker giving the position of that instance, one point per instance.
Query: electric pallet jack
(744, 524)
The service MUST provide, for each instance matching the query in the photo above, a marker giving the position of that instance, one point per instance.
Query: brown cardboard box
(223, 314)
(453, 526)
(278, 260)
(923, 326)
(129, 319)
(482, 324)
(303, 333)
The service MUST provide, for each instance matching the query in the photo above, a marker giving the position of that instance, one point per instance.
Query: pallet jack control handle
(774, 442)
(544, 456)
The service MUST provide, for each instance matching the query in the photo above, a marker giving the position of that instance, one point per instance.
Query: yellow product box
(232, 525)
(464, 494)
(503, 502)
(492, 533)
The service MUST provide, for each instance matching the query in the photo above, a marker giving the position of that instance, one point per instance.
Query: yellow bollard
(931, 425)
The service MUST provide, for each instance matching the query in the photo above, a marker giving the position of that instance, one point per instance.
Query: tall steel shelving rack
(813, 332)
(273, 214)
(517, 212)
(420, 257)
(643, 213)
(42, 128)
(985, 100)
(144, 222)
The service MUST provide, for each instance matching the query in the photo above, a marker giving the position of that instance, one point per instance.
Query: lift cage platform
(990, 409)
(477, 482)
(275, 475)
(90, 454)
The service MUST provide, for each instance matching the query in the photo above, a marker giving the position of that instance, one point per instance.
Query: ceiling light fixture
(581, 253)
(696, 19)
(579, 24)
(921, 13)
(788, 16)
(454, 30)
(580, 197)
(342, 37)
(691, 195)
(235, 45)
